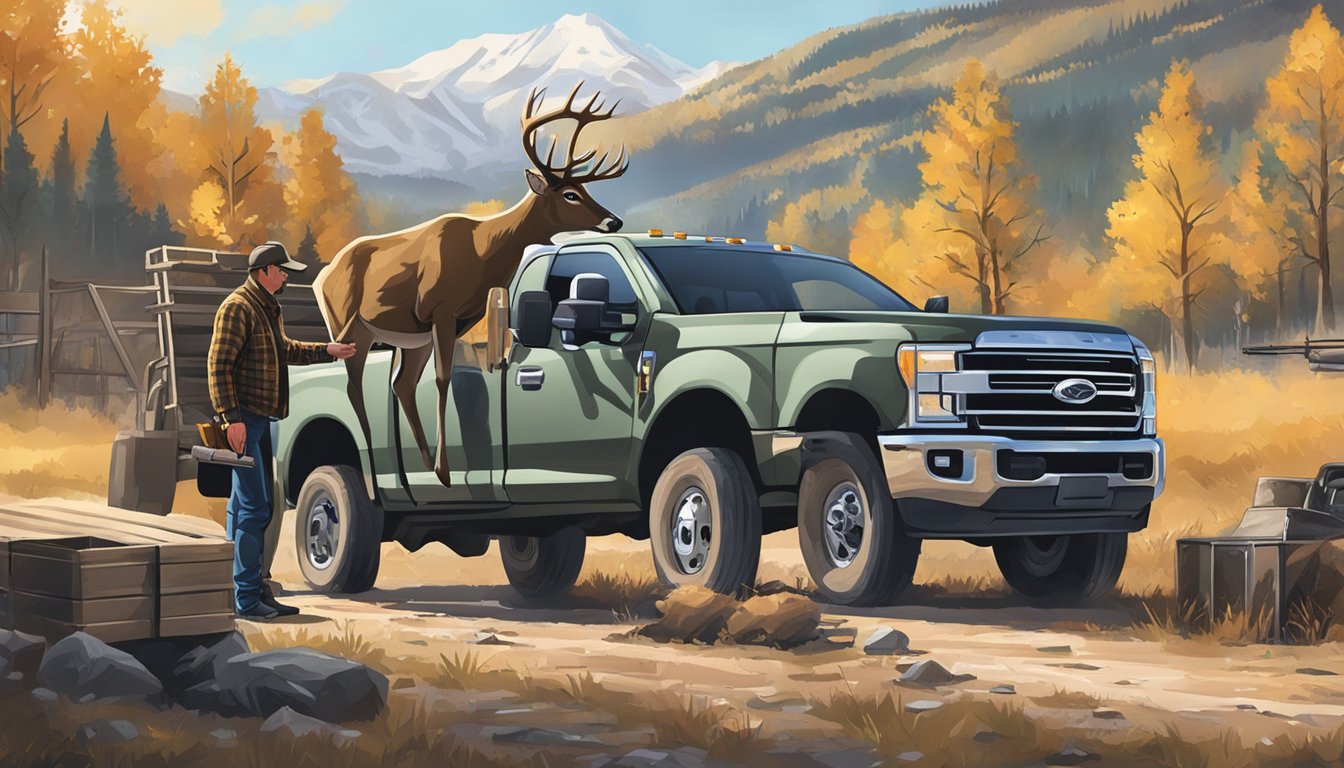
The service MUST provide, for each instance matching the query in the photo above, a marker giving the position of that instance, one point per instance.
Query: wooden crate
(84, 583)
(195, 588)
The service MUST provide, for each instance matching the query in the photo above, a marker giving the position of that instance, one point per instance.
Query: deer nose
(610, 224)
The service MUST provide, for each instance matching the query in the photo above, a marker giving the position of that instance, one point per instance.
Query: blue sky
(276, 42)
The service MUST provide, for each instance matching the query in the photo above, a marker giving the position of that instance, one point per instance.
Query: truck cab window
(621, 295)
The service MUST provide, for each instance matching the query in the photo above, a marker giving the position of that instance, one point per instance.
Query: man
(249, 388)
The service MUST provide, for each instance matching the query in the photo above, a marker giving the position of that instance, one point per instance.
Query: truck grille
(1021, 399)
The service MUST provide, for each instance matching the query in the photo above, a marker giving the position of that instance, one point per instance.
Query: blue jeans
(249, 513)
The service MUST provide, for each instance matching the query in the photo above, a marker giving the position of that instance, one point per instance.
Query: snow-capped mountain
(457, 109)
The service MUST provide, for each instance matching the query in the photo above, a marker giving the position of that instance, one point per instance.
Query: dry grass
(623, 592)
(1065, 699)
(716, 728)
(346, 642)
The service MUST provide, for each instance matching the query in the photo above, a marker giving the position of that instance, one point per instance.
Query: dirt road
(1082, 673)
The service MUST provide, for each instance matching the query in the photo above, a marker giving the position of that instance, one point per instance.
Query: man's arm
(306, 352)
(226, 344)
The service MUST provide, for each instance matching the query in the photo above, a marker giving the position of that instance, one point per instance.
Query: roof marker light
(655, 233)
(783, 247)
(735, 240)
(679, 235)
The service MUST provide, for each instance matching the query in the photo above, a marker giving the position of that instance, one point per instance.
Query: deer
(420, 288)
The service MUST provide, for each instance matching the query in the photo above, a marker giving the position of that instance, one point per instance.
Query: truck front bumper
(969, 486)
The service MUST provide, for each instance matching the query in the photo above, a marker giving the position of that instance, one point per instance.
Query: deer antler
(567, 172)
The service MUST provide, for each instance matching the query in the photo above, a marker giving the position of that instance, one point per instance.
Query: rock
(779, 702)
(14, 678)
(886, 641)
(107, 731)
(1005, 690)
(80, 665)
(1076, 665)
(286, 720)
(205, 661)
(685, 757)
(539, 736)
(21, 652)
(45, 695)
(984, 734)
(923, 705)
(1105, 713)
(490, 638)
(402, 682)
(1070, 755)
(929, 673)
(690, 614)
(210, 697)
(1247, 706)
(224, 734)
(781, 620)
(847, 758)
(910, 757)
(308, 681)
(1055, 649)
(1315, 671)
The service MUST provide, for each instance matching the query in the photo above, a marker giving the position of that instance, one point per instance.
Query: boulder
(205, 662)
(308, 681)
(929, 673)
(782, 620)
(887, 641)
(82, 665)
(286, 720)
(208, 696)
(690, 614)
(22, 651)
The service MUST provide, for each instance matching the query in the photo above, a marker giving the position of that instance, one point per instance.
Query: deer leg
(445, 343)
(407, 365)
(358, 334)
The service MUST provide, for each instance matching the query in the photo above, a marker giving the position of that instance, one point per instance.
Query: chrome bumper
(909, 476)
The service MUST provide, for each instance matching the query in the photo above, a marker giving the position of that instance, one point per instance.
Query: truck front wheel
(338, 531)
(705, 522)
(1061, 570)
(852, 540)
(541, 566)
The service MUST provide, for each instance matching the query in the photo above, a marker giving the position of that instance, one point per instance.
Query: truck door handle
(530, 378)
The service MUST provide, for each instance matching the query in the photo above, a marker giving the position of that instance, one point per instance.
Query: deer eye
(572, 197)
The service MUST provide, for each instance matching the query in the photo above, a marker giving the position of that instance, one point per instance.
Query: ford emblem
(1075, 391)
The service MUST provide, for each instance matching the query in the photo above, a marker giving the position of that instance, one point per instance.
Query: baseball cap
(272, 252)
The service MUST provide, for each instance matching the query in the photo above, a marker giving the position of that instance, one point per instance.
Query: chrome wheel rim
(692, 531)
(844, 525)
(322, 531)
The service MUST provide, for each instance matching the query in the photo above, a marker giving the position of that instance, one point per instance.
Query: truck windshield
(710, 279)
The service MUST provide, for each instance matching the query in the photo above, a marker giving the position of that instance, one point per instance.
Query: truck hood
(923, 326)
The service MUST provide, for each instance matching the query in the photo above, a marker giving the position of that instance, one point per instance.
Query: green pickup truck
(701, 392)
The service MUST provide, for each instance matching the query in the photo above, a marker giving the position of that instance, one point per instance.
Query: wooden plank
(196, 552)
(63, 528)
(196, 603)
(207, 624)
(176, 578)
(108, 632)
(18, 302)
(76, 510)
(84, 611)
(62, 578)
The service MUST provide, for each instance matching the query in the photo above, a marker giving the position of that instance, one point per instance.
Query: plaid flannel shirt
(243, 365)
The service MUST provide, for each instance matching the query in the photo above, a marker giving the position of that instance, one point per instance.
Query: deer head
(561, 186)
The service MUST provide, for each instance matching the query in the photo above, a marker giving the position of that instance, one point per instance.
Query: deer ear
(535, 182)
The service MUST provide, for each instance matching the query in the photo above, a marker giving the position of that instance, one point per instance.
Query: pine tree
(161, 230)
(109, 210)
(18, 205)
(62, 203)
(307, 253)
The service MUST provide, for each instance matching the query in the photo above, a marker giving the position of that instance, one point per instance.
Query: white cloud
(279, 21)
(164, 22)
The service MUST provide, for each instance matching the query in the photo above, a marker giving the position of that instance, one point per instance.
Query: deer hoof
(442, 474)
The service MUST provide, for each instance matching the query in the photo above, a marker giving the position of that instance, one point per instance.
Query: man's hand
(340, 351)
(237, 435)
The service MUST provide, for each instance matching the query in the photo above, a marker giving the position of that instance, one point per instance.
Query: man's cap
(271, 252)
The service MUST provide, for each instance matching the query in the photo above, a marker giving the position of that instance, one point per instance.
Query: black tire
(1062, 570)
(872, 561)
(541, 566)
(338, 532)
(712, 486)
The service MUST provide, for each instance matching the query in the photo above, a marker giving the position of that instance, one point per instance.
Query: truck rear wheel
(1079, 568)
(852, 539)
(541, 566)
(705, 522)
(338, 532)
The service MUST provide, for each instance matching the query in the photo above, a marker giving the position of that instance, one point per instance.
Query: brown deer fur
(422, 287)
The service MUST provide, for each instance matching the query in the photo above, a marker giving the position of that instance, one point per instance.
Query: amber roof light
(655, 233)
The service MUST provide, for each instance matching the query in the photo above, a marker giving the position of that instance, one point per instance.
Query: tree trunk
(1187, 316)
(996, 276)
(1325, 307)
(1278, 313)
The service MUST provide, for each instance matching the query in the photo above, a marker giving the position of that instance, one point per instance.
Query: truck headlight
(1148, 367)
(922, 367)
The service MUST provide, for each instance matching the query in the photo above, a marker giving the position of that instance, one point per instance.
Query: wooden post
(44, 327)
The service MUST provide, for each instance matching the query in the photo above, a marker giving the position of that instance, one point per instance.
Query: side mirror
(497, 326)
(534, 319)
(936, 304)
(586, 305)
